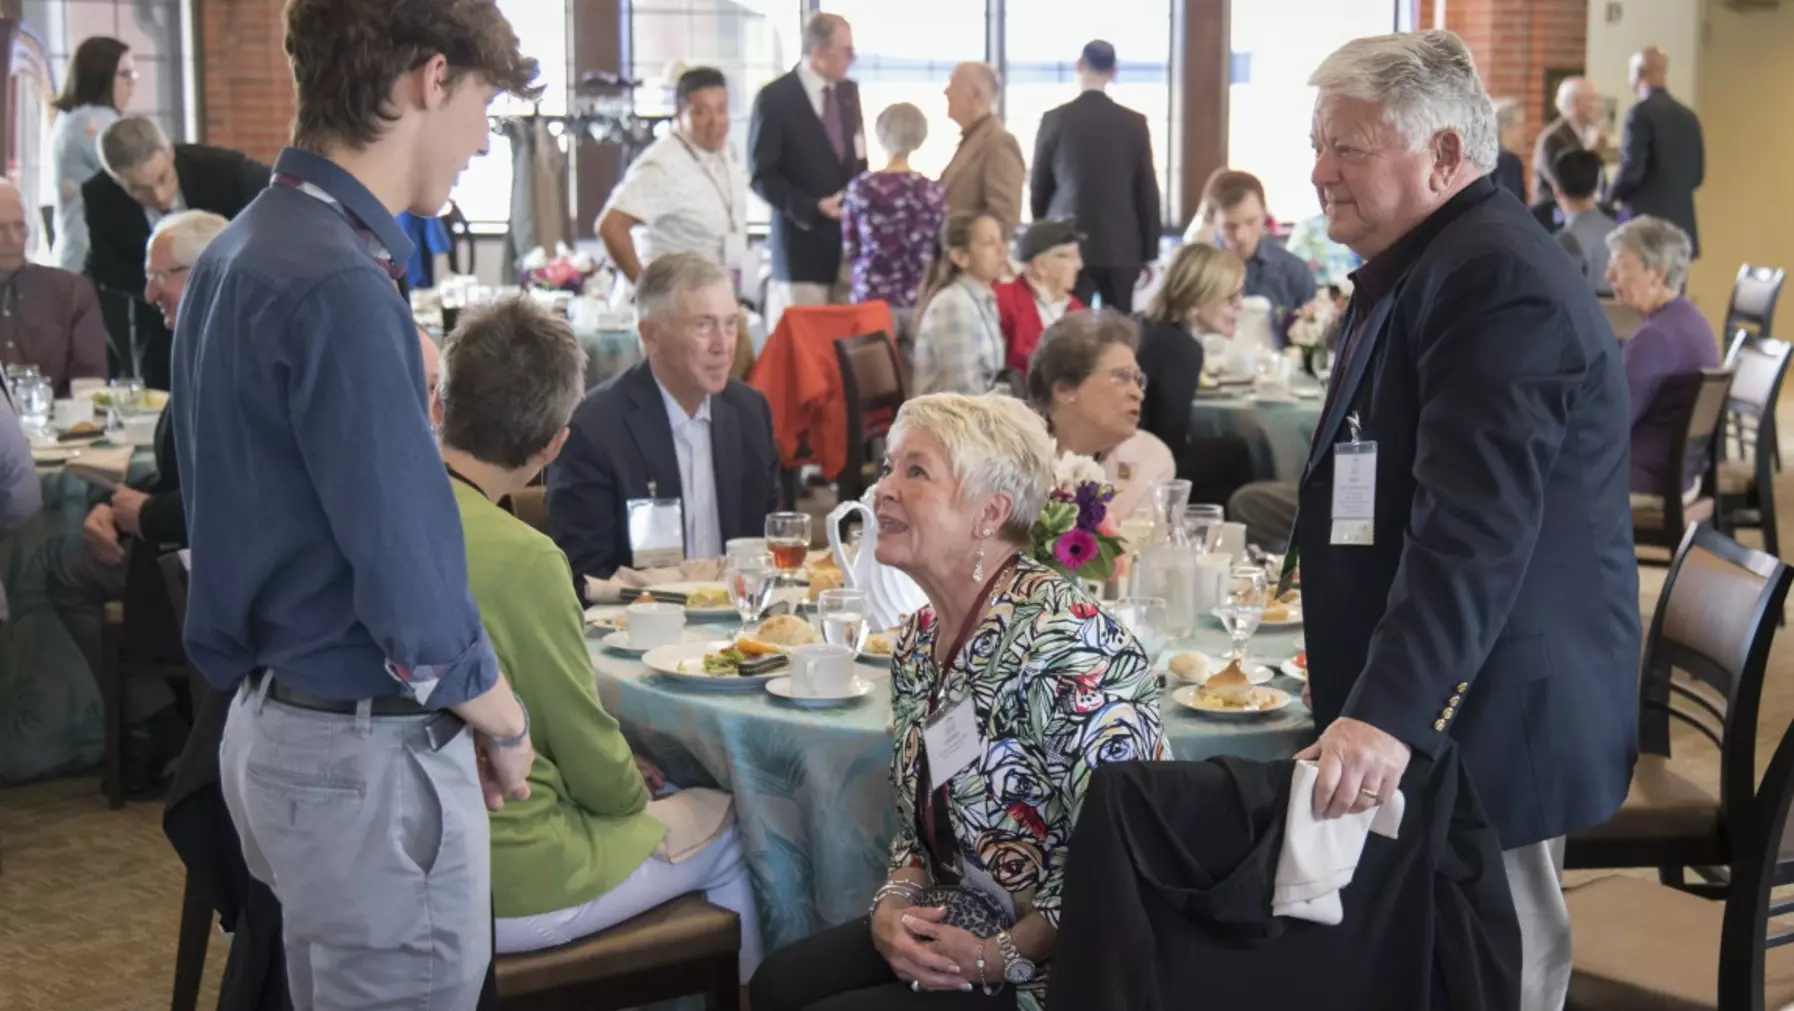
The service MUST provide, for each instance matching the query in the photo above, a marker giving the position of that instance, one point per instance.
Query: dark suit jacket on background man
(621, 440)
(1498, 605)
(212, 179)
(793, 166)
(1662, 162)
(1093, 164)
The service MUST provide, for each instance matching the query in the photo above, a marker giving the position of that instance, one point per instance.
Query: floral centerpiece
(1310, 328)
(565, 271)
(1074, 533)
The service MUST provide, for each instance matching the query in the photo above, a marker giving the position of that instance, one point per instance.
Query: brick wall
(1515, 43)
(248, 98)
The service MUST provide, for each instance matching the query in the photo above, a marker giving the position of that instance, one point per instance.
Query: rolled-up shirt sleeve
(356, 400)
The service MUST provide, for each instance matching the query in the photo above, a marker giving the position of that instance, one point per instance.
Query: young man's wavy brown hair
(346, 54)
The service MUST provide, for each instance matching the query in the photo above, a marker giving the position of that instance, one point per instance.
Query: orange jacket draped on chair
(801, 378)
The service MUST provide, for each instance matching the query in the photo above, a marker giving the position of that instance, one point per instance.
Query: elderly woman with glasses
(1647, 268)
(1085, 381)
(1039, 687)
(889, 218)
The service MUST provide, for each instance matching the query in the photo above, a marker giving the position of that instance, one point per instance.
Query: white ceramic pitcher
(889, 594)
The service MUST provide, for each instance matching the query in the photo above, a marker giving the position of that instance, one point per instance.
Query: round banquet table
(1277, 434)
(812, 787)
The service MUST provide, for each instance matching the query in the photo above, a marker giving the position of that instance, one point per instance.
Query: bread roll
(787, 630)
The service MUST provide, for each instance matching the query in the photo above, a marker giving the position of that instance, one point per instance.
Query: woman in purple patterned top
(889, 218)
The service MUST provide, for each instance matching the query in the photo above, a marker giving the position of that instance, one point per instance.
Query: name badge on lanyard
(1354, 489)
(656, 531)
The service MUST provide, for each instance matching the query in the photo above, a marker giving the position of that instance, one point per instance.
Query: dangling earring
(978, 559)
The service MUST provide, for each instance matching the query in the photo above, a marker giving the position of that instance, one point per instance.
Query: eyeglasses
(1122, 377)
(162, 276)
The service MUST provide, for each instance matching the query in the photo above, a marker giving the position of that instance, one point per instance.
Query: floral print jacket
(1058, 688)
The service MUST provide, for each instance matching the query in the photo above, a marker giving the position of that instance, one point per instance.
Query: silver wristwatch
(1016, 969)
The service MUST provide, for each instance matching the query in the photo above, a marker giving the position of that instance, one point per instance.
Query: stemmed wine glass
(788, 538)
(843, 618)
(749, 578)
(1146, 617)
(1243, 607)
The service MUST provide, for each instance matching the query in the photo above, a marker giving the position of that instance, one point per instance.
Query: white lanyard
(722, 191)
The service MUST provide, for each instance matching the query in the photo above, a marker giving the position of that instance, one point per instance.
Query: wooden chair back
(872, 384)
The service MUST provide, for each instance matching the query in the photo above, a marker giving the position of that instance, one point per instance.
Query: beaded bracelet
(908, 889)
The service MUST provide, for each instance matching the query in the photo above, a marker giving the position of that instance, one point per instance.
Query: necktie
(831, 121)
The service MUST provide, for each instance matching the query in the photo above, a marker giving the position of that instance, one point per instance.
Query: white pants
(1535, 877)
(717, 870)
(782, 295)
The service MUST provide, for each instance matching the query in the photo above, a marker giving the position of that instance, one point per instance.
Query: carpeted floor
(90, 898)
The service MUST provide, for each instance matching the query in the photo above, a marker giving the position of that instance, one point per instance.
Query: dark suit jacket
(1093, 163)
(621, 440)
(794, 166)
(1556, 139)
(1168, 893)
(212, 179)
(1498, 606)
(1662, 162)
(1510, 174)
(150, 624)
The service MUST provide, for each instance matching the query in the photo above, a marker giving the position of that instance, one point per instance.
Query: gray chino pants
(377, 847)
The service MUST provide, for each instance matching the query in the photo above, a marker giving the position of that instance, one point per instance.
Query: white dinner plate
(1258, 674)
(619, 640)
(1293, 621)
(1276, 699)
(684, 664)
(604, 619)
(727, 610)
(781, 687)
(54, 454)
(1289, 669)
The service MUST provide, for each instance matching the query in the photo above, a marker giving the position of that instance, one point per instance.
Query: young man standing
(329, 577)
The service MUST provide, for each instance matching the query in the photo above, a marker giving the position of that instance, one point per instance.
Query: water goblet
(843, 618)
(749, 578)
(1243, 606)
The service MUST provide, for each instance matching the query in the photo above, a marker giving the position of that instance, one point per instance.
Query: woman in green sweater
(581, 853)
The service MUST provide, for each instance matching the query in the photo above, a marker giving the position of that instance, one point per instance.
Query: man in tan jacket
(986, 173)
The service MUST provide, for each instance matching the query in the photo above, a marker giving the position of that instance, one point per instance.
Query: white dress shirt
(687, 199)
(1050, 310)
(814, 84)
(697, 476)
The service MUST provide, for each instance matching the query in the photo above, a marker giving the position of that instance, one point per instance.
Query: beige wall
(1746, 105)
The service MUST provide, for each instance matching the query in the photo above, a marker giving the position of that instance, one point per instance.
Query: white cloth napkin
(624, 585)
(105, 467)
(1320, 855)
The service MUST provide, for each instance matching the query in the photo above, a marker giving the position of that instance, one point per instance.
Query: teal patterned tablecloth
(1276, 434)
(49, 704)
(812, 789)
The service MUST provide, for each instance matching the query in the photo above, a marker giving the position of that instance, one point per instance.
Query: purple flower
(1075, 548)
(1092, 507)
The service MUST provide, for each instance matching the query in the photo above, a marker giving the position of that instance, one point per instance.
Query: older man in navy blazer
(674, 427)
(1485, 591)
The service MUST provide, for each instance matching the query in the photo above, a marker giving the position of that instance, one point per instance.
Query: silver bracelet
(908, 889)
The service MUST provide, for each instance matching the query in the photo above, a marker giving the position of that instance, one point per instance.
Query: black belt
(383, 705)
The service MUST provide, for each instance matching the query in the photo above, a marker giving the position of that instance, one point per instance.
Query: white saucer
(1289, 669)
(619, 641)
(781, 687)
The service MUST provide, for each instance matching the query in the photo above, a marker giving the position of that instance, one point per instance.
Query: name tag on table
(951, 738)
(656, 532)
(1354, 493)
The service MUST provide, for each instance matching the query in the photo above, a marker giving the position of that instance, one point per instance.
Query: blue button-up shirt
(326, 542)
(1279, 275)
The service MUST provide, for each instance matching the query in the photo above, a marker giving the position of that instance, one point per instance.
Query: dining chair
(680, 948)
(195, 932)
(1704, 661)
(873, 388)
(1663, 520)
(1754, 294)
(531, 506)
(1646, 946)
(117, 667)
(1747, 485)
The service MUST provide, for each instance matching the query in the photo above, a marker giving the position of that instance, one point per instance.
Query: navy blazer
(620, 440)
(1662, 162)
(1093, 164)
(1499, 603)
(794, 166)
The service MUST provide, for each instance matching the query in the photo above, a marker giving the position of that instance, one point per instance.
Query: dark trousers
(1116, 284)
(840, 970)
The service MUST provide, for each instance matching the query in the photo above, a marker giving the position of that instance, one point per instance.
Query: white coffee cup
(821, 670)
(739, 546)
(1232, 540)
(72, 411)
(1211, 581)
(141, 430)
(84, 389)
(656, 624)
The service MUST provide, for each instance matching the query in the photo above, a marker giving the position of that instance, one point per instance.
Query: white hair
(901, 129)
(995, 444)
(1426, 83)
(982, 77)
(189, 233)
(1658, 244)
(1568, 90)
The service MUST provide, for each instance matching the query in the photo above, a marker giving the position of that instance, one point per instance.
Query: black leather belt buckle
(441, 729)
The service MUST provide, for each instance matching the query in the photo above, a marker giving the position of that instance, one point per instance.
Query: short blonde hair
(1199, 275)
(995, 444)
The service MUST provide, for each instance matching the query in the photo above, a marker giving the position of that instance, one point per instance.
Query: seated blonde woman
(582, 853)
(1085, 380)
(1046, 687)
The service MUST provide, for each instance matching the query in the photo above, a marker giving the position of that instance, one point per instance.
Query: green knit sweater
(582, 830)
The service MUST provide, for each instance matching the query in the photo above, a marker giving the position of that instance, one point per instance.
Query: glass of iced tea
(788, 539)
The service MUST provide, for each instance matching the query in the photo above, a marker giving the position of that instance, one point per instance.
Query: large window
(484, 190)
(1276, 45)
